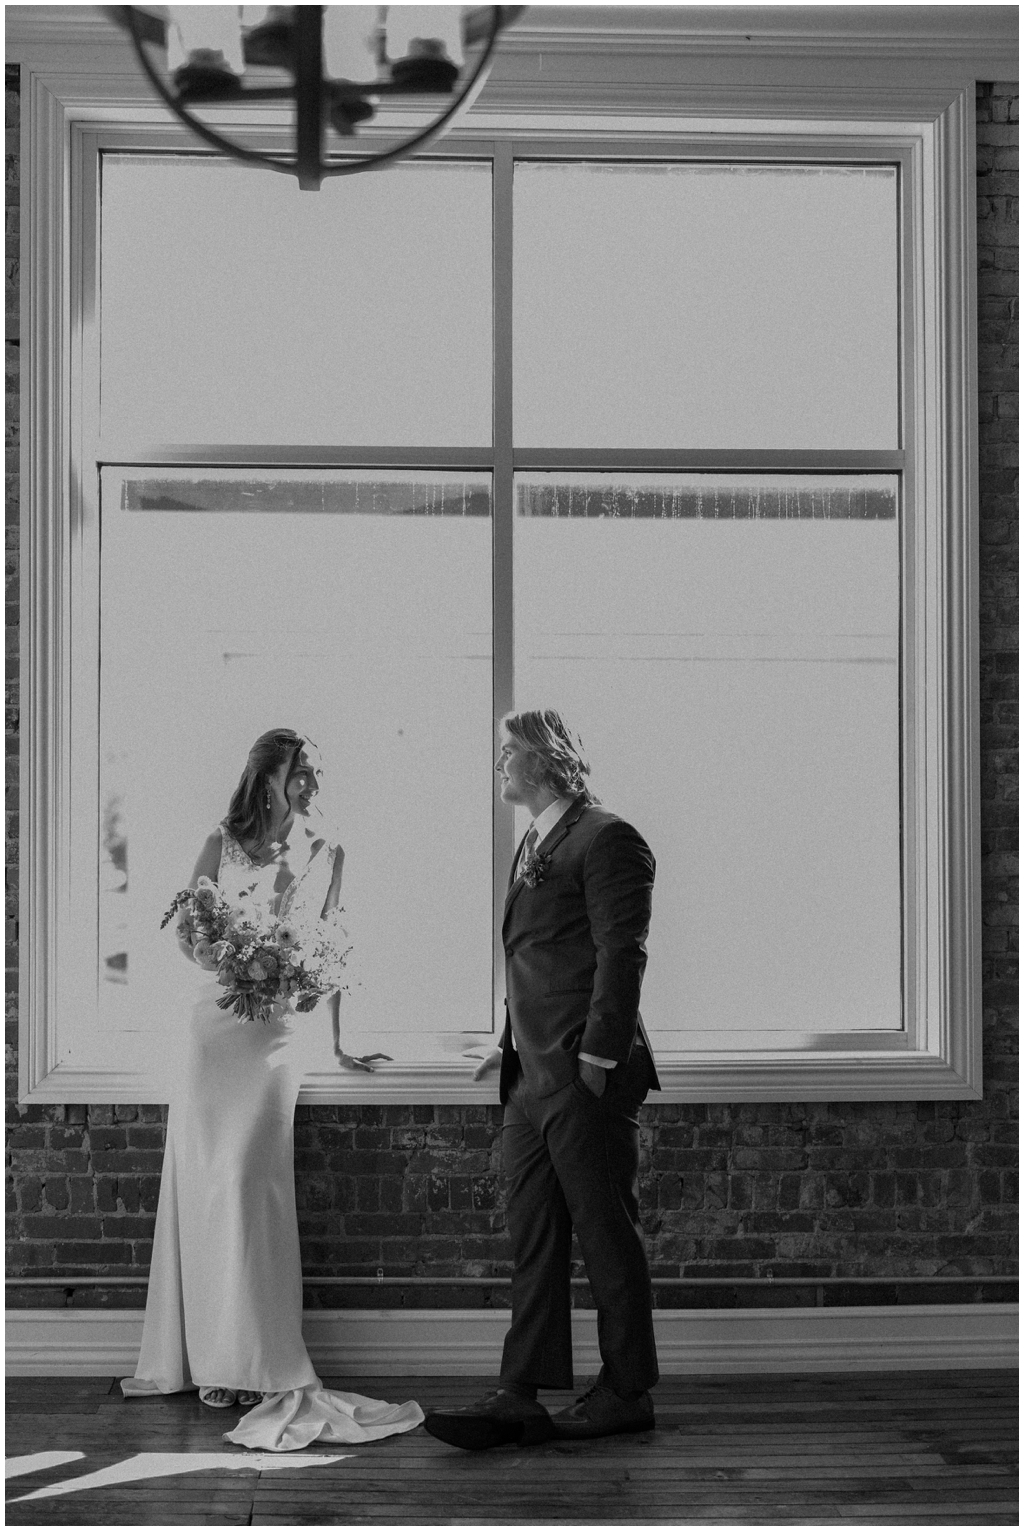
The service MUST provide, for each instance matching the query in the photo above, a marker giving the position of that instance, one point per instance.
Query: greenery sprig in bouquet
(262, 962)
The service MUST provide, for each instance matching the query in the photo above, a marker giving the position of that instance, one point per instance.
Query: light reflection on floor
(39, 1461)
(160, 1464)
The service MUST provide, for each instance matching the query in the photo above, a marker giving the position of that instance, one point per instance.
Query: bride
(224, 1310)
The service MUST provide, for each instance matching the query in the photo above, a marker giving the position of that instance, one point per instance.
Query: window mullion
(707, 460)
(502, 523)
(148, 454)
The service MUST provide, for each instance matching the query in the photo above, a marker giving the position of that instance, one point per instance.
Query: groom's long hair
(562, 763)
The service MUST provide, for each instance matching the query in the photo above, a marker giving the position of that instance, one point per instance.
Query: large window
(729, 645)
(626, 429)
(358, 611)
(716, 305)
(238, 310)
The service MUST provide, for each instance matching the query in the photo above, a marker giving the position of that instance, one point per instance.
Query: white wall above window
(894, 45)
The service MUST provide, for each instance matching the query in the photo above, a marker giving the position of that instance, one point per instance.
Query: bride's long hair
(249, 814)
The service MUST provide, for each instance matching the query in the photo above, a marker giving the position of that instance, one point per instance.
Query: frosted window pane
(237, 308)
(728, 648)
(696, 306)
(356, 609)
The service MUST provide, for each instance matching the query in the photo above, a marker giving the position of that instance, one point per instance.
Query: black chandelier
(411, 51)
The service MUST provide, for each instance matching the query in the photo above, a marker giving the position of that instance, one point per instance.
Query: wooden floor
(867, 1448)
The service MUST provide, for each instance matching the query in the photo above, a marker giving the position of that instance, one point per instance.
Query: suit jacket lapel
(515, 862)
(544, 847)
(569, 818)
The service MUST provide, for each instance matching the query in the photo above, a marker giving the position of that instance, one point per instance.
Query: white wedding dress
(225, 1290)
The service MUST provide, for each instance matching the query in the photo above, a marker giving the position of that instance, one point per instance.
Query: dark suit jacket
(574, 951)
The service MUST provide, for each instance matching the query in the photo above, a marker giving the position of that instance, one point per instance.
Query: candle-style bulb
(204, 51)
(424, 44)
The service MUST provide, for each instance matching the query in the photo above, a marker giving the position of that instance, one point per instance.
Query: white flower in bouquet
(260, 962)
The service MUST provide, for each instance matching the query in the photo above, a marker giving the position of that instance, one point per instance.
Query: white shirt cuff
(602, 1063)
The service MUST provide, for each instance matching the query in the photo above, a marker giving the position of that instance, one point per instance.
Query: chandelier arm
(215, 140)
(308, 70)
(371, 161)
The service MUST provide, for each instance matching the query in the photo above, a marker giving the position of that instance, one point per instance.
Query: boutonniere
(534, 869)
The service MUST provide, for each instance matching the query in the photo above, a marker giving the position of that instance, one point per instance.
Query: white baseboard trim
(467, 1341)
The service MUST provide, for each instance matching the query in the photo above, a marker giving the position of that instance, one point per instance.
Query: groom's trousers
(571, 1161)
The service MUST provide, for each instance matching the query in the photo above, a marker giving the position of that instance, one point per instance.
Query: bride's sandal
(249, 1399)
(217, 1397)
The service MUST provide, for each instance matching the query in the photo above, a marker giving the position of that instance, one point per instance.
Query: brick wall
(877, 1189)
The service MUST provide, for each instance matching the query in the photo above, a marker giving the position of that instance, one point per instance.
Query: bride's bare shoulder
(214, 842)
(208, 862)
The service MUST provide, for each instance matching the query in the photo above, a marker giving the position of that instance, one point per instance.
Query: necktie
(529, 844)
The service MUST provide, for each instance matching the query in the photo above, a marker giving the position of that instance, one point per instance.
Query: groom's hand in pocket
(594, 1077)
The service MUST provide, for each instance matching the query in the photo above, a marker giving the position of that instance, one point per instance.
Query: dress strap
(231, 853)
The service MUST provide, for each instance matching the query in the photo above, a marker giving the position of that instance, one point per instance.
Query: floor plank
(935, 1448)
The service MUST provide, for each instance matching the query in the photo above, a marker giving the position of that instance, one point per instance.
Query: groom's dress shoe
(500, 1419)
(602, 1412)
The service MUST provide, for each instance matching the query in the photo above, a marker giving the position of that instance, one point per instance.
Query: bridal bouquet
(260, 961)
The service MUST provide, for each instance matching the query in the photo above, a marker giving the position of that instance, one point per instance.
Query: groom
(575, 1067)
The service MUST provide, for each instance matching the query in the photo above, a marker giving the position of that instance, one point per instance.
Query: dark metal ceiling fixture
(340, 62)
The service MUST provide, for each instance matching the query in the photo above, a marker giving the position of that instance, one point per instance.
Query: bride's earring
(267, 797)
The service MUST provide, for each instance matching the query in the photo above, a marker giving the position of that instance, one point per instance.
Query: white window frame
(68, 114)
